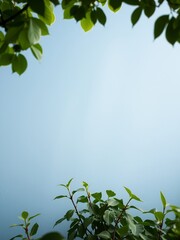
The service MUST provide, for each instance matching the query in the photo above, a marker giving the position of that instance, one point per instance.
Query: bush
(93, 218)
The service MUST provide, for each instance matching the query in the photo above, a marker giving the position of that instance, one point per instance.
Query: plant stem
(119, 218)
(77, 212)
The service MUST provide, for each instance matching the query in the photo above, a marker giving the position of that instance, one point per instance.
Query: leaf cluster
(94, 217)
(23, 22)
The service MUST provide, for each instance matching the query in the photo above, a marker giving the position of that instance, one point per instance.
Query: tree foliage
(23, 22)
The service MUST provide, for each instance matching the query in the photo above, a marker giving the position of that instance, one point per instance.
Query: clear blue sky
(101, 107)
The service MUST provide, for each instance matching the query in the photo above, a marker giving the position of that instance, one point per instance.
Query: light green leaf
(108, 217)
(37, 51)
(163, 200)
(86, 23)
(112, 202)
(104, 235)
(34, 32)
(48, 16)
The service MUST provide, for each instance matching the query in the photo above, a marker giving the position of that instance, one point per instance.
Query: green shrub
(94, 218)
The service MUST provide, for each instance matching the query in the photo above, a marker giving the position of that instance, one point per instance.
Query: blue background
(101, 107)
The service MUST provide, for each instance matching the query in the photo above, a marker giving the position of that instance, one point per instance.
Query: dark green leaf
(78, 12)
(93, 16)
(55, 2)
(37, 6)
(52, 236)
(149, 10)
(6, 59)
(19, 64)
(69, 214)
(34, 229)
(82, 199)
(172, 35)
(136, 15)
(101, 17)
(114, 5)
(160, 25)
(131, 2)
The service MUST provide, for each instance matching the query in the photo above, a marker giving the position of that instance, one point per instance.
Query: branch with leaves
(23, 22)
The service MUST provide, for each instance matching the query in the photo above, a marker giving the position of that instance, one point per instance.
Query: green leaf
(23, 39)
(114, 5)
(69, 214)
(6, 59)
(82, 199)
(67, 14)
(131, 2)
(78, 190)
(163, 200)
(37, 6)
(85, 185)
(37, 51)
(110, 193)
(104, 235)
(108, 216)
(159, 216)
(34, 216)
(149, 10)
(61, 196)
(24, 215)
(86, 24)
(172, 35)
(19, 64)
(93, 16)
(34, 229)
(78, 12)
(131, 195)
(55, 2)
(101, 17)
(17, 236)
(48, 16)
(34, 32)
(42, 26)
(97, 195)
(69, 182)
(112, 202)
(52, 236)
(136, 15)
(59, 221)
(160, 25)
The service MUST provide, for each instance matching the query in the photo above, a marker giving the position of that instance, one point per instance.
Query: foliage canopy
(23, 22)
